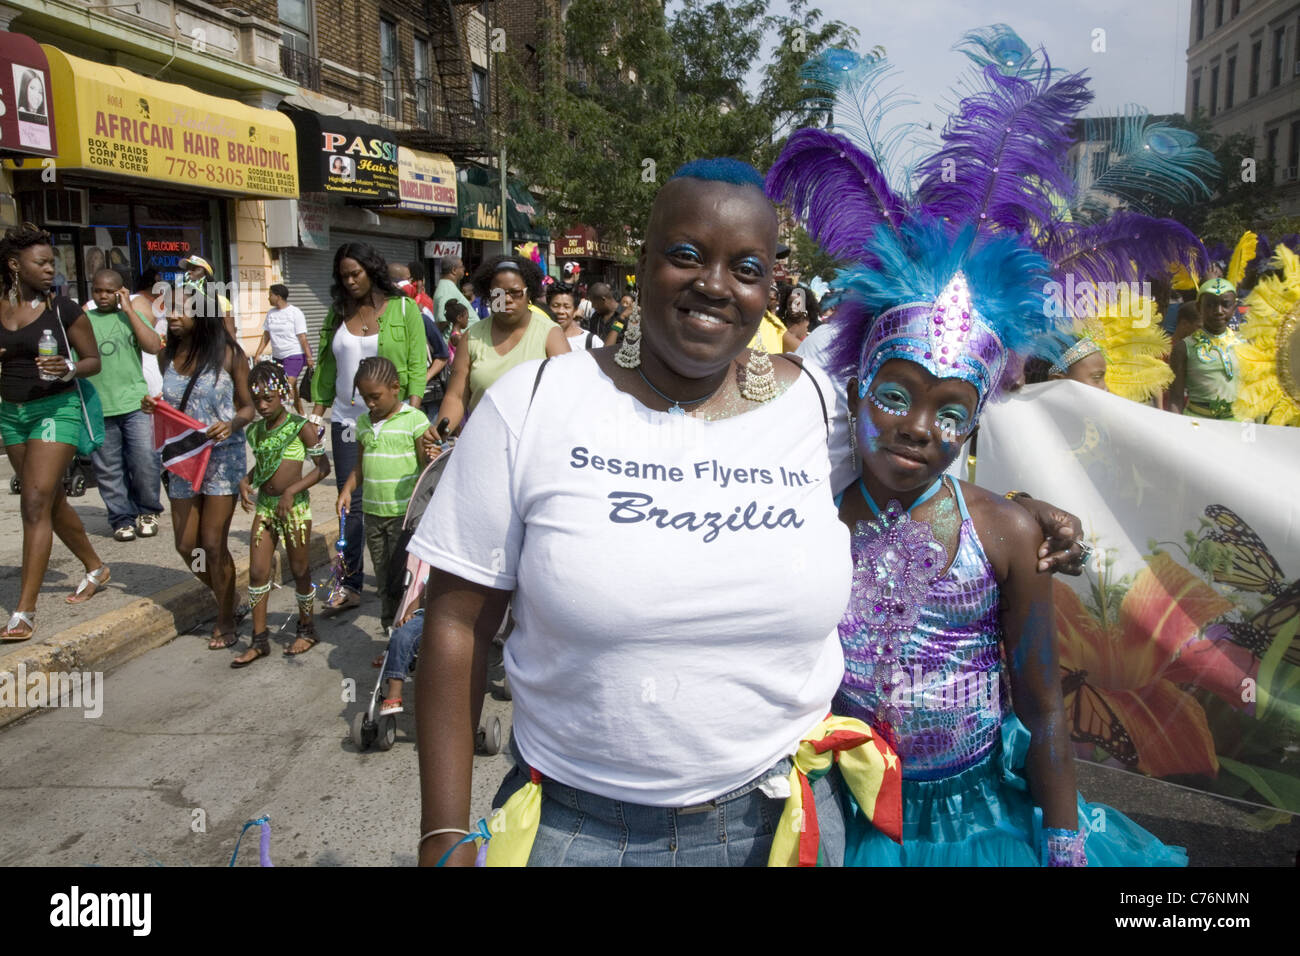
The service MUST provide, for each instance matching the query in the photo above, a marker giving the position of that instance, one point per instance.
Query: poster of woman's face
(31, 94)
(33, 107)
(343, 167)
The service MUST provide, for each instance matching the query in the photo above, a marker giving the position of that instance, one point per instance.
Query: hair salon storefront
(149, 173)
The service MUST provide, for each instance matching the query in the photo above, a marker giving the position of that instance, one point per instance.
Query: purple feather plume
(1002, 163)
(1128, 247)
(835, 189)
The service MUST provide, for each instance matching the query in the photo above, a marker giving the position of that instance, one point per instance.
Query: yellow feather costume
(1129, 336)
(1269, 391)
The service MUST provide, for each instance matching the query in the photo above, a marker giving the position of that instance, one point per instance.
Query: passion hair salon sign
(346, 157)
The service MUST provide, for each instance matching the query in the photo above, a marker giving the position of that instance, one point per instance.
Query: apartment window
(1218, 13)
(1236, 7)
(1279, 44)
(1293, 157)
(1214, 90)
(1230, 83)
(296, 61)
(1196, 95)
(1200, 19)
(423, 83)
(1270, 153)
(479, 92)
(388, 61)
(1256, 51)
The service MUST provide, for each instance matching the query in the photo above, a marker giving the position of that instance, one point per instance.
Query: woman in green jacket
(369, 316)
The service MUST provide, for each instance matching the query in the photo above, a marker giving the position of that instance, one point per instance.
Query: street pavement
(187, 750)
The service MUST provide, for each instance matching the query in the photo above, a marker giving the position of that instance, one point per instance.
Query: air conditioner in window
(66, 207)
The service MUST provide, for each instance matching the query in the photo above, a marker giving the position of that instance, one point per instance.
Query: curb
(114, 638)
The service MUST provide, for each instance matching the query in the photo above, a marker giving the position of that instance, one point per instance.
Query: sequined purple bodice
(935, 693)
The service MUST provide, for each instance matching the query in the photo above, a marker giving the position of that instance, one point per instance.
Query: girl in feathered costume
(945, 288)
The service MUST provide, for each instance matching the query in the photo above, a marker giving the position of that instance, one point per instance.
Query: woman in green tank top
(515, 332)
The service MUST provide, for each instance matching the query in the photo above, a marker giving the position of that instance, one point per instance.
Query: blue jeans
(127, 469)
(403, 646)
(345, 459)
(582, 829)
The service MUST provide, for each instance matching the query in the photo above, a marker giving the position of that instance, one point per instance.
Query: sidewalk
(151, 597)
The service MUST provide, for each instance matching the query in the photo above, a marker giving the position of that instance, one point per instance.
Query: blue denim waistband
(585, 800)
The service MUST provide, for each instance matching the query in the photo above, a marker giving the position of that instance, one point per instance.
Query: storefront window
(130, 232)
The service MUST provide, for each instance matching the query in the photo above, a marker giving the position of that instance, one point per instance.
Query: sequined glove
(1064, 847)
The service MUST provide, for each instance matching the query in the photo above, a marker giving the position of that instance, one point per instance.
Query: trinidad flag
(183, 442)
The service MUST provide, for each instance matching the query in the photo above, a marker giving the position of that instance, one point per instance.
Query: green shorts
(292, 530)
(52, 418)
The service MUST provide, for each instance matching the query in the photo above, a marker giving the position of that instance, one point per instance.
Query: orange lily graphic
(1135, 653)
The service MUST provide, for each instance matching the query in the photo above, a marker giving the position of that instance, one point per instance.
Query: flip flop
(90, 585)
(351, 599)
(15, 619)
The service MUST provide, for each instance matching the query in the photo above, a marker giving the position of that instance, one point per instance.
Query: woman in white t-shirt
(562, 301)
(285, 330)
(660, 711)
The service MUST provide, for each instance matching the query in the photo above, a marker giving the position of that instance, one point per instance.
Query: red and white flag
(183, 442)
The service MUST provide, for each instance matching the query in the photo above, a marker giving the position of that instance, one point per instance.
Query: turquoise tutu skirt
(985, 816)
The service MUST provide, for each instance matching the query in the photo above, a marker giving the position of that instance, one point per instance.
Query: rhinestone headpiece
(947, 337)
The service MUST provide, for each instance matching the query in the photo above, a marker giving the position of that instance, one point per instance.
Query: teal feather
(857, 92)
(1156, 164)
(999, 45)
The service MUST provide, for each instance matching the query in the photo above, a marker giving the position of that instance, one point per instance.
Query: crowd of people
(675, 709)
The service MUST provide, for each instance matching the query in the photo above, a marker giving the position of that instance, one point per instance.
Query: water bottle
(47, 346)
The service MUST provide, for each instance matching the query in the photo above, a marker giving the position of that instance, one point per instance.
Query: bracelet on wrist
(71, 373)
(1064, 847)
(439, 832)
(1016, 495)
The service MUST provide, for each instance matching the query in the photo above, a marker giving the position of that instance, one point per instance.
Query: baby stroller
(409, 578)
(79, 475)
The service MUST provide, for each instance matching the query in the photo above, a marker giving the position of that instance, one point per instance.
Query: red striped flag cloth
(183, 442)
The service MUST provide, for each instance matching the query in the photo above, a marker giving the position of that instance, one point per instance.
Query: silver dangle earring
(760, 380)
(629, 353)
(13, 287)
(853, 442)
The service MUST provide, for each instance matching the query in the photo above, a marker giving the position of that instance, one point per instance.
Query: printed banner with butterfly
(1180, 643)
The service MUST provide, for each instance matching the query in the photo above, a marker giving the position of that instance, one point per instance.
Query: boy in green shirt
(389, 460)
(127, 468)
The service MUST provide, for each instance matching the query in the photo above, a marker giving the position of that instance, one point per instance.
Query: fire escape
(449, 121)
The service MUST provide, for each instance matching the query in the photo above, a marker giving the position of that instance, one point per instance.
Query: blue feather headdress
(958, 274)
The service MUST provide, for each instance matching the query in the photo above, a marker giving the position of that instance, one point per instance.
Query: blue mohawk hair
(721, 170)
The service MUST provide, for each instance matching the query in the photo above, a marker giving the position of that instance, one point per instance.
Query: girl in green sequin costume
(1205, 362)
(281, 442)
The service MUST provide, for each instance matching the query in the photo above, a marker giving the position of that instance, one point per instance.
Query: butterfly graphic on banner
(1093, 721)
(1232, 553)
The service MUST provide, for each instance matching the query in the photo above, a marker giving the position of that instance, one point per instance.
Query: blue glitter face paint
(683, 250)
(751, 266)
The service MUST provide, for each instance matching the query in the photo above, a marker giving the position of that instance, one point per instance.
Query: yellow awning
(110, 120)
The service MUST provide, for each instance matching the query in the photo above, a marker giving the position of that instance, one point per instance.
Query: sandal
(90, 585)
(391, 705)
(306, 632)
(17, 619)
(219, 643)
(349, 600)
(259, 647)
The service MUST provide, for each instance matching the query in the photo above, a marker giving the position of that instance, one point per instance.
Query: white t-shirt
(349, 350)
(814, 350)
(153, 377)
(709, 645)
(284, 326)
(578, 342)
